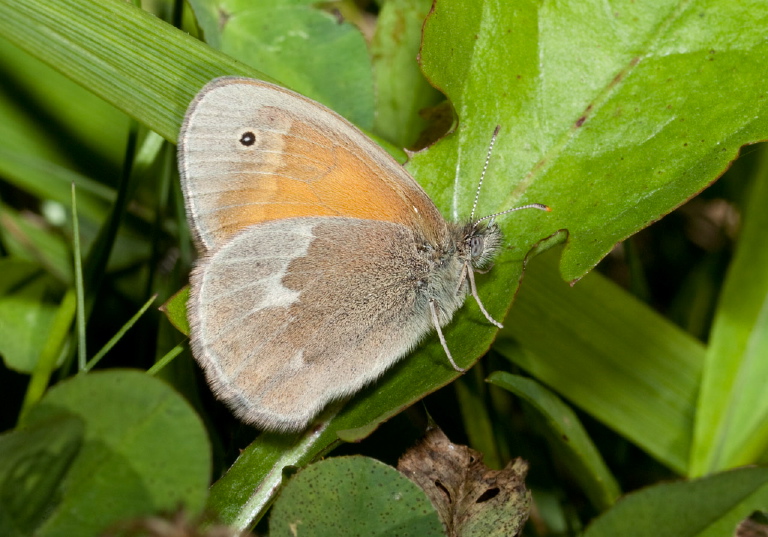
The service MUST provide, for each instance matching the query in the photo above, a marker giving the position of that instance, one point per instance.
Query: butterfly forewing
(252, 152)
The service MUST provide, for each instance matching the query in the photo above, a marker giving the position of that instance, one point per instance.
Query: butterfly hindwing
(303, 318)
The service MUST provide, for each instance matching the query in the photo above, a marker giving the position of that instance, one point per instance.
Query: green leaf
(609, 354)
(242, 495)
(56, 340)
(51, 182)
(70, 127)
(710, 507)
(95, 44)
(33, 462)
(26, 314)
(732, 418)
(176, 310)
(612, 117)
(144, 451)
(581, 456)
(27, 239)
(401, 89)
(349, 496)
(296, 43)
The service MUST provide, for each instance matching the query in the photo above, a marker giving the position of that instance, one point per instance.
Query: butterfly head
(481, 242)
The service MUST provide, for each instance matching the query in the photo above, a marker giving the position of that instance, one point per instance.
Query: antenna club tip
(496, 130)
(539, 206)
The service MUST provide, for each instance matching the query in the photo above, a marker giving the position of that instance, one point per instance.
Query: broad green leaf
(144, 451)
(33, 462)
(732, 418)
(26, 312)
(611, 116)
(602, 119)
(581, 456)
(609, 354)
(709, 507)
(349, 496)
(298, 44)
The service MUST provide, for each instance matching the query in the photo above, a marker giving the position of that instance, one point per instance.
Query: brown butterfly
(322, 261)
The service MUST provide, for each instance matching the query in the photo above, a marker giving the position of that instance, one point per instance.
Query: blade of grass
(166, 359)
(79, 291)
(165, 184)
(732, 418)
(61, 33)
(96, 263)
(612, 356)
(114, 339)
(24, 238)
(583, 458)
(54, 346)
(471, 394)
(48, 118)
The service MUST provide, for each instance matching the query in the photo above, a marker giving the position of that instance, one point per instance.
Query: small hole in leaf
(488, 495)
(439, 485)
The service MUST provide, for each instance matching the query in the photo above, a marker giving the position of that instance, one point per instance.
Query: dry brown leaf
(751, 528)
(471, 499)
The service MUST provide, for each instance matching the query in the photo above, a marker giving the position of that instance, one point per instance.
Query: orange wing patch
(278, 155)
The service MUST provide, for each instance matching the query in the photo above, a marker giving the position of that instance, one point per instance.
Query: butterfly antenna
(539, 206)
(485, 168)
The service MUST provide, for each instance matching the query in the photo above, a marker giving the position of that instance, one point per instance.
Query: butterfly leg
(436, 322)
(473, 288)
(464, 271)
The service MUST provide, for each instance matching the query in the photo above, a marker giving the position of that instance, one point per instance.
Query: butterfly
(322, 261)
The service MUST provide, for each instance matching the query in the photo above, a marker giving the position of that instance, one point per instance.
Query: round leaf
(350, 496)
(144, 450)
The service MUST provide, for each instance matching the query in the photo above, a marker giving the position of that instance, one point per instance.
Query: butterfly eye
(476, 247)
(248, 138)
